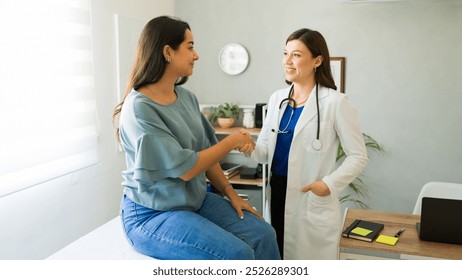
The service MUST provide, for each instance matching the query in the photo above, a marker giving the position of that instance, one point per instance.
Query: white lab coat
(313, 223)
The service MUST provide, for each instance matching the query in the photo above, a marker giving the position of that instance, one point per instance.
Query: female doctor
(304, 126)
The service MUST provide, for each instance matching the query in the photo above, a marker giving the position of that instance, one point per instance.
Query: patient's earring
(168, 60)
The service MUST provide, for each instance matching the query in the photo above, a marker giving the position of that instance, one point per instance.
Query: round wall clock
(233, 59)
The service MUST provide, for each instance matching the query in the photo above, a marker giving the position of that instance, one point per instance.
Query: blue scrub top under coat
(284, 140)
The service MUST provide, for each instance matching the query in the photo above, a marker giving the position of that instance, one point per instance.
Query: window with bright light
(48, 120)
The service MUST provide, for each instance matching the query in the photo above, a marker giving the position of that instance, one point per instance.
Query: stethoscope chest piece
(316, 144)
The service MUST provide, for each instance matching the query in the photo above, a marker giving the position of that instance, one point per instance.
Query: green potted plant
(358, 189)
(225, 115)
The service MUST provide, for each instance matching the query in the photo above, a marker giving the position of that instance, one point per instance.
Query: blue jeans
(214, 232)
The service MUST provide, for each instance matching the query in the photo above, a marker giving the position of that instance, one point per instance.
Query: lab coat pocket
(318, 200)
(319, 210)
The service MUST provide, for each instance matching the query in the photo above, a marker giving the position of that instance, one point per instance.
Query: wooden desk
(409, 245)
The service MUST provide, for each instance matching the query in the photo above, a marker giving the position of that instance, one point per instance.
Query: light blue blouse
(161, 143)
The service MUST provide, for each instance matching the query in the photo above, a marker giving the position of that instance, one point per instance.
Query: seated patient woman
(170, 150)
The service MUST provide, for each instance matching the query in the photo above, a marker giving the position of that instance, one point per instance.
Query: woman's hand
(319, 188)
(247, 149)
(240, 204)
(244, 141)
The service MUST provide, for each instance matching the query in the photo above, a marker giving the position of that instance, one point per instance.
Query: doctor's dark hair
(317, 45)
(150, 63)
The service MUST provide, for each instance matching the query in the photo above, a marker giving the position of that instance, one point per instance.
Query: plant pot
(225, 122)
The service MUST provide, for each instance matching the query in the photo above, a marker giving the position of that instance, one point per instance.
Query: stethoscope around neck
(316, 144)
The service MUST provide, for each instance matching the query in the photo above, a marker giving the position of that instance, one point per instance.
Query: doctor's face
(298, 62)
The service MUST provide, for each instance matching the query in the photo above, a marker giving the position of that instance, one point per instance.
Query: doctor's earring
(168, 60)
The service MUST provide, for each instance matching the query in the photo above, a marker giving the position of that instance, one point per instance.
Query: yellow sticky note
(385, 239)
(361, 231)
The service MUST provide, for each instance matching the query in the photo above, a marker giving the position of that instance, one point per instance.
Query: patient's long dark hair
(150, 63)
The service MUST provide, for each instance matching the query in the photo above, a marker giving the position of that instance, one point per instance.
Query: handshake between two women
(244, 142)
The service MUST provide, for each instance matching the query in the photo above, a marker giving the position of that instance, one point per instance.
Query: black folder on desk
(441, 220)
(373, 230)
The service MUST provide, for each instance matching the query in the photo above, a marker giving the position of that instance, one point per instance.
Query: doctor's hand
(248, 147)
(319, 188)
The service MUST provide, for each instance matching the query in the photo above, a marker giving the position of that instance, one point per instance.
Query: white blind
(48, 120)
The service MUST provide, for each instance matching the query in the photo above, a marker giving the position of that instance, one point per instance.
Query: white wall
(40, 220)
(403, 74)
